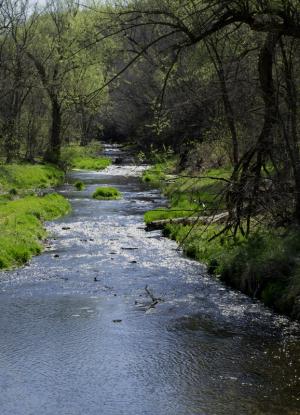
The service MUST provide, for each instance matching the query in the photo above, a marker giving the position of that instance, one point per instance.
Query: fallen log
(192, 220)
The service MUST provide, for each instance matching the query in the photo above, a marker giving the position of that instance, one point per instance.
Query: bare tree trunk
(243, 196)
(53, 152)
(292, 135)
(84, 128)
(265, 140)
(217, 61)
(11, 143)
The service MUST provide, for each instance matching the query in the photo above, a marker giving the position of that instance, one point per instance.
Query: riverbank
(23, 210)
(264, 266)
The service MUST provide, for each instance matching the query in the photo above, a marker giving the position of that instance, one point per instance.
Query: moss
(21, 226)
(106, 193)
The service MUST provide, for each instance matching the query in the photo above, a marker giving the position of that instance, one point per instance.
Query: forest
(207, 91)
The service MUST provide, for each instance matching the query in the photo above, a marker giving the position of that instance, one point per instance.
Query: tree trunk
(229, 117)
(52, 154)
(229, 114)
(265, 140)
(84, 129)
(292, 134)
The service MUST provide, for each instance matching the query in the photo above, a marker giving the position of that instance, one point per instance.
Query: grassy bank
(265, 266)
(21, 226)
(22, 212)
(84, 158)
(27, 177)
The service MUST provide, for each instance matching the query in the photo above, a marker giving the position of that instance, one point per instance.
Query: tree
(15, 78)
(187, 25)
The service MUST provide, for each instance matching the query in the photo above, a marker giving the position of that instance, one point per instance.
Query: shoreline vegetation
(88, 157)
(24, 206)
(265, 265)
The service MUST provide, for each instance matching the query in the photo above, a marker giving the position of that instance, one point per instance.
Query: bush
(13, 192)
(79, 185)
(106, 193)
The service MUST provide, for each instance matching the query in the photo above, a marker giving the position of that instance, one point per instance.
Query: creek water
(70, 345)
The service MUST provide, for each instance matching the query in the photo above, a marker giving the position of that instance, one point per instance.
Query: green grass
(21, 226)
(84, 158)
(106, 193)
(157, 174)
(190, 196)
(16, 178)
(21, 215)
(90, 163)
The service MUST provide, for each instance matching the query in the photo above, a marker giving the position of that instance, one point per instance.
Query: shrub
(79, 185)
(13, 192)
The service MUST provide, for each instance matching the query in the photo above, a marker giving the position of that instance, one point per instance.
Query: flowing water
(70, 345)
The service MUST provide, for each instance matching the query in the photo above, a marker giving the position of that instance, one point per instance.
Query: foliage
(107, 193)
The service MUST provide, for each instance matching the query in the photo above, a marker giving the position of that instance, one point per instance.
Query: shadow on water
(79, 335)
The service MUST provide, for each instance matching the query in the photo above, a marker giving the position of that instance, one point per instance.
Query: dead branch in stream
(154, 299)
(186, 221)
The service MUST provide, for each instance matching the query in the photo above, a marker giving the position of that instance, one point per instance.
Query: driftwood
(155, 300)
(205, 220)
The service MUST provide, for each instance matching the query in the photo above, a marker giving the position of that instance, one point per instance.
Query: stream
(79, 334)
